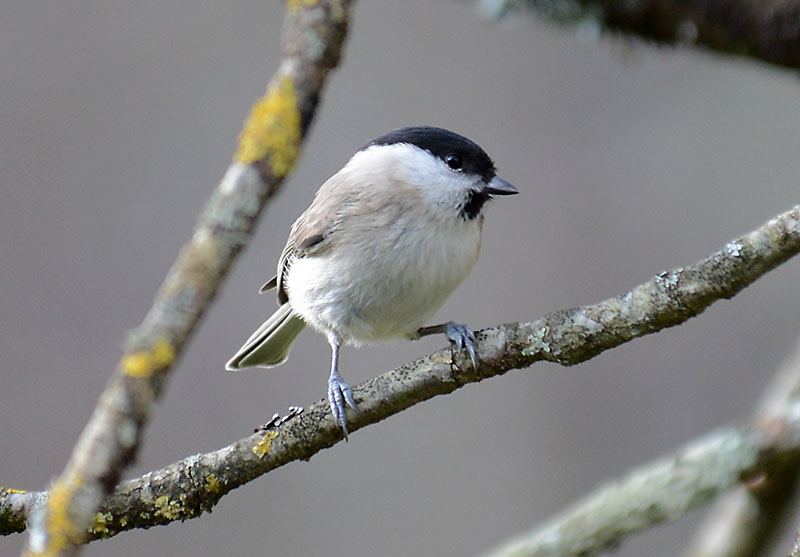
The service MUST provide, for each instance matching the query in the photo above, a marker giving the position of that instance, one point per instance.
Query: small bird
(384, 243)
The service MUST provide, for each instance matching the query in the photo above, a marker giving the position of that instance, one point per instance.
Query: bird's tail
(269, 346)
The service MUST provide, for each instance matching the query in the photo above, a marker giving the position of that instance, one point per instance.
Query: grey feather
(273, 282)
(269, 346)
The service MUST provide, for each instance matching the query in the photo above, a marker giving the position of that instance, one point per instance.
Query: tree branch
(765, 29)
(764, 455)
(666, 489)
(188, 488)
(313, 34)
(743, 521)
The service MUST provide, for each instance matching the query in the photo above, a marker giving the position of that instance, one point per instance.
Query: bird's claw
(463, 337)
(339, 395)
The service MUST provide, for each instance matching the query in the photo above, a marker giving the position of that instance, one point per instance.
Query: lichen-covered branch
(189, 487)
(768, 30)
(573, 336)
(763, 457)
(16, 505)
(666, 489)
(743, 522)
(313, 34)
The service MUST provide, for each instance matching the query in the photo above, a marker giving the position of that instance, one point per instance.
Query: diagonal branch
(744, 521)
(188, 488)
(313, 34)
(763, 455)
(768, 30)
(666, 489)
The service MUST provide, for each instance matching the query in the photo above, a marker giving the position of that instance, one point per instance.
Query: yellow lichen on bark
(11, 490)
(61, 530)
(272, 130)
(169, 509)
(212, 484)
(265, 445)
(297, 4)
(144, 363)
(100, 523)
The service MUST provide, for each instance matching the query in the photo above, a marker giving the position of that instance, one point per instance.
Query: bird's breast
(385, 281)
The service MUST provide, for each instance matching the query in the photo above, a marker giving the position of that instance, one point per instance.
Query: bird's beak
(498, 186)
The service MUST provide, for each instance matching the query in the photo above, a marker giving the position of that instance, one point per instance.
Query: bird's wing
(310, 236)
(314, 232)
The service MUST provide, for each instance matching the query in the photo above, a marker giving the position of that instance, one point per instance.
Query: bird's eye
(454, 161)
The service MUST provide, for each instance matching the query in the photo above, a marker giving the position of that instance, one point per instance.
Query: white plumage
(384, 243)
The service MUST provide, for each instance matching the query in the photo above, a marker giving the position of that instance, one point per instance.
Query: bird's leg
(338, 392)
(462, 336)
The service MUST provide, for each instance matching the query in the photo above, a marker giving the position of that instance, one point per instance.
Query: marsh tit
(384, 243)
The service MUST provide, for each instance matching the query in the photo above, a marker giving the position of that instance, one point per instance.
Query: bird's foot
(339, 395)
(462, 337)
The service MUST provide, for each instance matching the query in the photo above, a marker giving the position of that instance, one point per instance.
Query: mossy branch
(313, 34)
(188, 488)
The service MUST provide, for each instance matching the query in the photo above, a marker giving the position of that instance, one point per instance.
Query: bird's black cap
(441, 143)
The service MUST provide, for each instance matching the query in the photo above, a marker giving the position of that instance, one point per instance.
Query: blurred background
(117, 119)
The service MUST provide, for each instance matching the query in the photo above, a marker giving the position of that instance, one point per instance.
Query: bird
(383, 244)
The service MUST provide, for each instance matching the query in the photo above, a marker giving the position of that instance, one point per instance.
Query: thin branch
(313, 34)
(188, 488)
(768, 30)
(664, 490)
(796, 547)
(743, 521)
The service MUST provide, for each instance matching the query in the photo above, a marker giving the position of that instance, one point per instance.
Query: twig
(313, 34)
(796, 547)
(741, 522)
(189, 487)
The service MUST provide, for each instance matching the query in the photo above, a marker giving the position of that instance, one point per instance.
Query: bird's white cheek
(442, 188)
